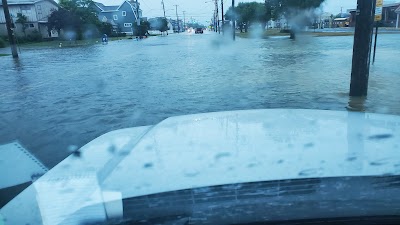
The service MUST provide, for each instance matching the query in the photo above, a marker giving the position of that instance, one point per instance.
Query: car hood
(206, 150)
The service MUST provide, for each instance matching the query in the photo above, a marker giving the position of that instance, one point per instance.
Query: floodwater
(54, 98)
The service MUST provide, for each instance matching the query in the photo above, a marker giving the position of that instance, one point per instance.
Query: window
(123, 13)
(115, 17)
(127, 24)
(39, 9)
(31, 25)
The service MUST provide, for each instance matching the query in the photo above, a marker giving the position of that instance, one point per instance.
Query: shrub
(35, 36)
(2, 43)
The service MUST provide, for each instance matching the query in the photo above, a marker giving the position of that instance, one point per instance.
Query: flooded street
(53, 98)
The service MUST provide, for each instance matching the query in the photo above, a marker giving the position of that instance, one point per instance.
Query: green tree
(143, 29)
(76, 16)
(288, 8)
(162, 24)
(248, 13)
(22, 19)
(106, 28)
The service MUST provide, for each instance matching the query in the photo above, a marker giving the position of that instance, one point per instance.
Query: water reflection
(357, 104)
(17, 64)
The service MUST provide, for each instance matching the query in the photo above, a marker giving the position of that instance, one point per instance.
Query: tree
(143, 29)
(160, 24)
(76, 16)
(22, 19)
(163, 25)
(248, 13)
(289, 7)
(106, 28)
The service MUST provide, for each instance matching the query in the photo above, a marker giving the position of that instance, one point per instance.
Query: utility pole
(184, 20)
(177, 18)
(362, 47)
(222, 14)
(10, 32)
(217, 15)
(137, 13)
(163, 7)
(233, 20)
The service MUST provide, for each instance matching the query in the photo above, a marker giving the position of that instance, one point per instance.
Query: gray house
(122, 17)
(36, 11)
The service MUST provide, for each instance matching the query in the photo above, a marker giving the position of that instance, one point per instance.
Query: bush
(118, 35)
(35, 36)
(2, 43)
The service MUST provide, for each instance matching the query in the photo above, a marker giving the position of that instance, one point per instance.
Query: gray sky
(202, 12)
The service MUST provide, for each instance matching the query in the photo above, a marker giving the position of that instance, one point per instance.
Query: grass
(276, 32)
(78, 43)
(266, 34)
(329, 34)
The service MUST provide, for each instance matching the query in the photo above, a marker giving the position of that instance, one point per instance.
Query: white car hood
(207, 150)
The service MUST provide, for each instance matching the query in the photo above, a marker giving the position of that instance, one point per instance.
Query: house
(36, 11)
(341, 22)
(176, 25)
(326, 20)
(122, 17)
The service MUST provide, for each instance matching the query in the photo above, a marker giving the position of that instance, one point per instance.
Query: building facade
(390, 16)
(37, 13)
(176, 25)
(122, 17)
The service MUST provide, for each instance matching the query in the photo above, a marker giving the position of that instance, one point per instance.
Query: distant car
(199, 31)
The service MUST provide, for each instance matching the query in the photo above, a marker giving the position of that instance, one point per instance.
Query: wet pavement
(54, 98)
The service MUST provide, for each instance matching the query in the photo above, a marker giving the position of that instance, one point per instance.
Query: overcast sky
(201, 11)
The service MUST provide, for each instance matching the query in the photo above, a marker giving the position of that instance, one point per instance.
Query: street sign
(378, 10)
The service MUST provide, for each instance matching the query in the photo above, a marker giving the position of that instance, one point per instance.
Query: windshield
(301, 88)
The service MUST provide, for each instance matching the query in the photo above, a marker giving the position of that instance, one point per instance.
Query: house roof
(103, 7)
(340, 19)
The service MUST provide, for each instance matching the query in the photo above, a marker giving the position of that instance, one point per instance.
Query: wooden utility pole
(10, 31)
(222, 14)
(362, 47)
(184, 20)
(137, 13)
(233, 20)
(163, 7)
(177, 18)
(217, 15)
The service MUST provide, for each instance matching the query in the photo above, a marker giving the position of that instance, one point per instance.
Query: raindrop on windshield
(380, 136)
(74, 150)
(148, 165)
